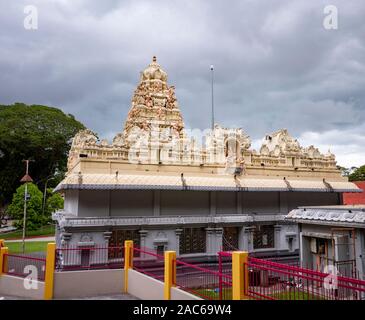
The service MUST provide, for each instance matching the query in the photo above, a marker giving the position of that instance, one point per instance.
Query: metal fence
(275, 281)
(33, 267)
(203, 280)
(148, 262)
(285, 280)
(88, 258)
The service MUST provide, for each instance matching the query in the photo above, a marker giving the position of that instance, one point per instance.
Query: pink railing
(275, 281)
(86, 258)
(25, 266)
(148, 262)
(203, 280)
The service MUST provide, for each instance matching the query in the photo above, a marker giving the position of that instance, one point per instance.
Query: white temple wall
(93, 203)
(284, 233)
(226, 203)
(131, 203)
(297, 199)
(97, 203)
(71, 204)
(184, 203)
(155, 238)
(261, 202)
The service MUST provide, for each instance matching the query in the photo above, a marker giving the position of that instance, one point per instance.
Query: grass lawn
(291, 295)
(284, 295)
(213, 294)
(43, 231)
(33, 246)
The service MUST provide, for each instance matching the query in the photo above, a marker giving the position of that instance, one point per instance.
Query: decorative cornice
(67, 220)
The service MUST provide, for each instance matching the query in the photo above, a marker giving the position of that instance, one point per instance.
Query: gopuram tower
(154, 123)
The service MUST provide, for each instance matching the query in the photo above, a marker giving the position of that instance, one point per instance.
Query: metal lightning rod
(212, 74)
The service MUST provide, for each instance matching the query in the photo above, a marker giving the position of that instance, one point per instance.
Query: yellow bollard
(170, 273)
(3, 260)
(2, 243)
(239, 275)
(50, 269)
(128, 261)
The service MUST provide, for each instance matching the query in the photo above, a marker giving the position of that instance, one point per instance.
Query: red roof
(355, 198)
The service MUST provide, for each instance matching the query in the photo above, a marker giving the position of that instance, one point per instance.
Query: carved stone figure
(83, 138)
(119, 140)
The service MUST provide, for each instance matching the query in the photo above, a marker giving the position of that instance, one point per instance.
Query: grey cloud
(275, 64)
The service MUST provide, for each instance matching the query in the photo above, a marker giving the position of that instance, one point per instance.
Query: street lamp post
(45, 194)
(27, 178)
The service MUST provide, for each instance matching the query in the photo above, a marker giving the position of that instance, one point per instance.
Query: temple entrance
(85, 258)
(230, 238)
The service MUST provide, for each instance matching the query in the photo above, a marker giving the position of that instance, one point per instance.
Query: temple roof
(342, 215)
(172, 181)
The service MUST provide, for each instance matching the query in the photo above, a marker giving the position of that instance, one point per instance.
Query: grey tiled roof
(333, 214)
(173, 181)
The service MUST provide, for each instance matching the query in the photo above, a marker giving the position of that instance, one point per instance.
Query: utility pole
(212, 74)
(45, 195)
(27, 178)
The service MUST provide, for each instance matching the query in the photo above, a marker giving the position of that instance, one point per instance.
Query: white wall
(261, 202)
(147, 288)
(297, 199)
(93, 203)
(14, 286)
(77, 284)
(131, 203)
(178, 294)
(170, 235)
(184, 203)
(144, 287)
(71, 204)
(226, 203)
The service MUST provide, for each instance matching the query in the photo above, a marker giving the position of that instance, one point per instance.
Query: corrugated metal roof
(203, 183)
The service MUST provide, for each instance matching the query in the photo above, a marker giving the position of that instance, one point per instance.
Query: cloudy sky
(276, 66)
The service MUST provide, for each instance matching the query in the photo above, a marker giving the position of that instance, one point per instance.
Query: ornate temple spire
(154, 102)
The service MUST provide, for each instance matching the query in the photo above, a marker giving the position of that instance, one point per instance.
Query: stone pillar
(65, 239)
(210, 240)
(178, 232)
(218, 241)
(277, 237)
(247, 238)
(68, 258)
(242, 240)
(143, 235)
(107, 235)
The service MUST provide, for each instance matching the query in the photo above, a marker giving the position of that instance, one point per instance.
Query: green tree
(345, 172)
(54, 202)
(35, 219)
(36, 132)
(358, 174)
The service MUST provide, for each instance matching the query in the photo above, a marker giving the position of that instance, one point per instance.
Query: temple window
(192, 240)
(263, 237)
